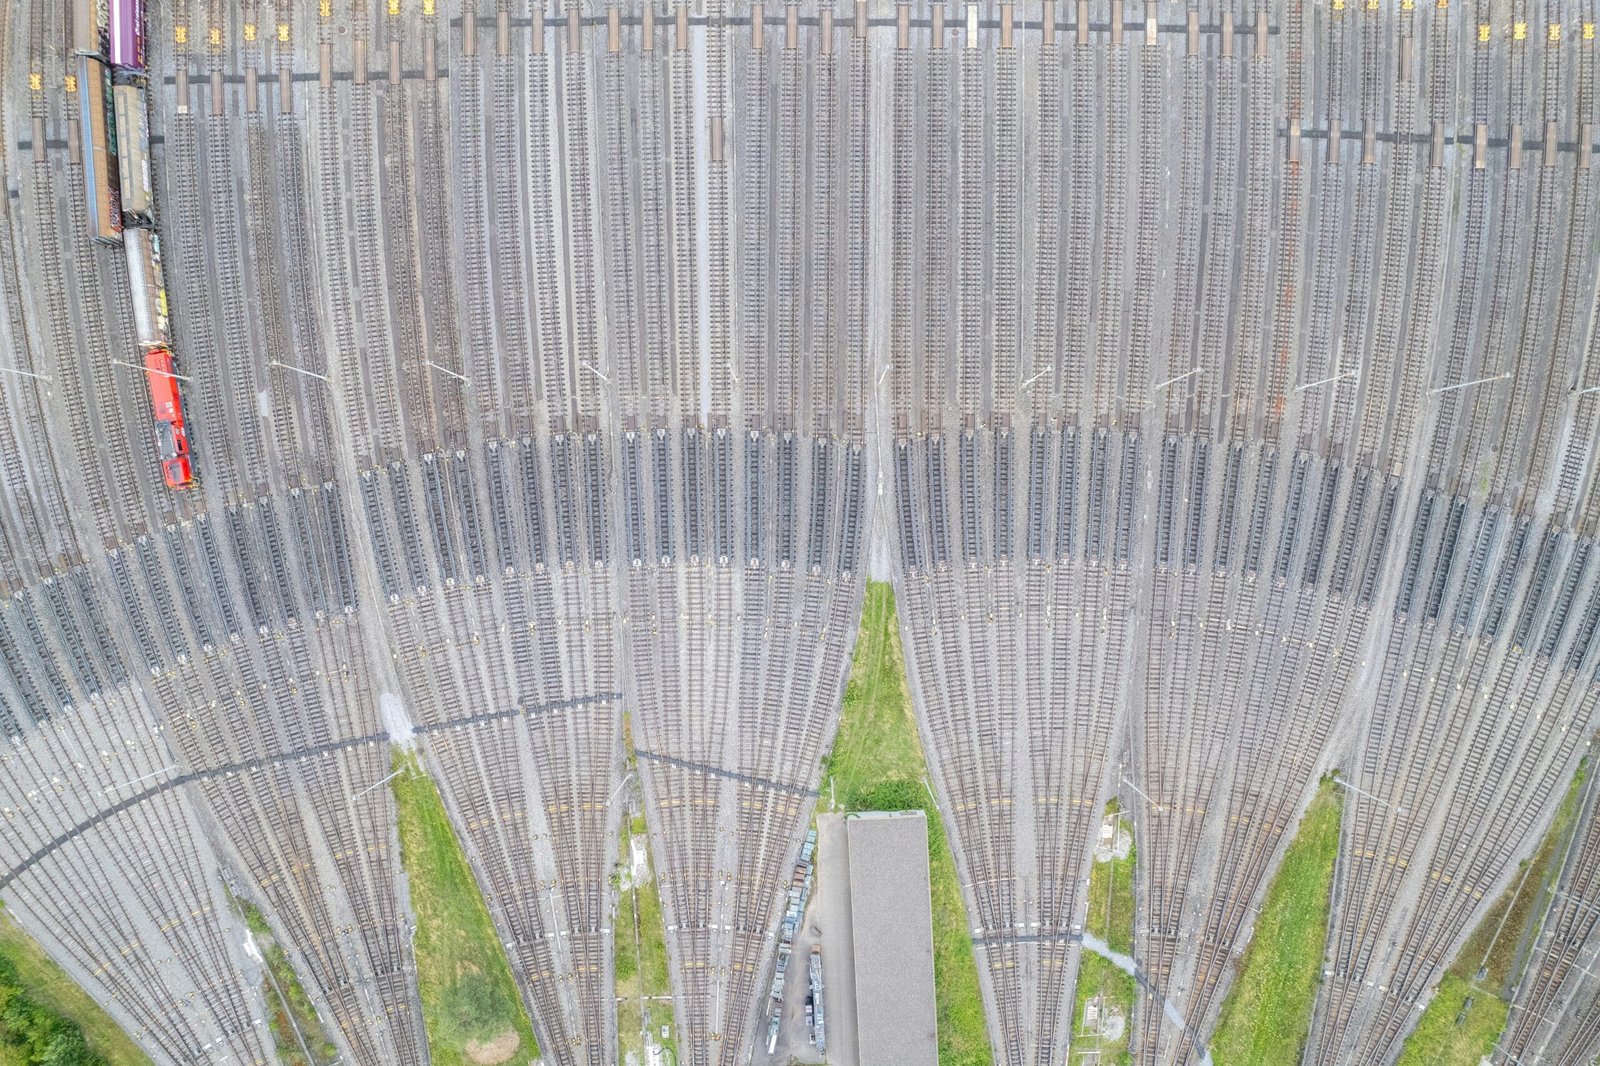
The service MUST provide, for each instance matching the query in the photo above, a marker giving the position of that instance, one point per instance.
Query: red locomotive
(166, 404)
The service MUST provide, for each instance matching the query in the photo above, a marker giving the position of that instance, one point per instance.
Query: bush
(479, 1005)
(34, 1035)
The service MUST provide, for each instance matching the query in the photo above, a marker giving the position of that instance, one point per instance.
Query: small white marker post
(1465, 384)
(151, 370)
(1327, 381)
(25, 373)
(298, 370)
(1580, 392)
(591, 368)
(444, 370)
(1173, 381)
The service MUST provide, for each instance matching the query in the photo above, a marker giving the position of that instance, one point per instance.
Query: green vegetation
(1458, 1028)
(1098, 977)
(1111, 919)
(1267, 1013)
(644, 990)
(1469, 1009)
(1111, 895)
(296, 1029)
(877, 765)
(877, 738)
(1489, 957)
(468, 997)
(46, 1019)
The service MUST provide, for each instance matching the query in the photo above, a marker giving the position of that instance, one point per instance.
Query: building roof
(892, 920)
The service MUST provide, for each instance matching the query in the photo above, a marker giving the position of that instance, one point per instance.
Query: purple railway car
(127, 34)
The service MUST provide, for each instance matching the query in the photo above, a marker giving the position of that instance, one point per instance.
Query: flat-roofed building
(891, 919)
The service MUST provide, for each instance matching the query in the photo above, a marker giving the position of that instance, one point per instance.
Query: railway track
(543, 201)
(403, 242)
(333, 236)
(753, 242)
(577, 192)
(370, 370)
(624, 294)
(827, 320)
(516, 362)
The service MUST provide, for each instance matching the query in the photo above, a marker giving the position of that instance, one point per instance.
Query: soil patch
(493, 1052)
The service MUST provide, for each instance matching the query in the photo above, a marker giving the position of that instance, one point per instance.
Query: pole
(444, 370)
(374, 785)
(1464, 384)
(298, 370)
(25, 373)
(1173, 381)
(1143, 793)
(1325, 381)
(149, 370)
(1363, 792)
(135, 781)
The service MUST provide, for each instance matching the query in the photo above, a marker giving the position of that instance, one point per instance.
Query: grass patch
(644, 989)
(877, 738)
(462, 973)
(1459, 1027)
(1115, 989)
(46, 1018)
(1513, 921)
(1111, 897)
(877, 765)
(1111, 919)
(296, 1029)
(1469, 1009)
(1267, 1013)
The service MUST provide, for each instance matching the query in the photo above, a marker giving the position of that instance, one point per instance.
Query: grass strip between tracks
(1267, 1013)
(877, 765)
(1110, 917)
(468, 996)
(296, 1029)
(644, 987)
(1468, 1010)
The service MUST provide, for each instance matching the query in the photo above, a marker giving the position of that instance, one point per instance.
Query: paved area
(832, 910)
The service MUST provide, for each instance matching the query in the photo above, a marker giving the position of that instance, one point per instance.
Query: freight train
(119, 194)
